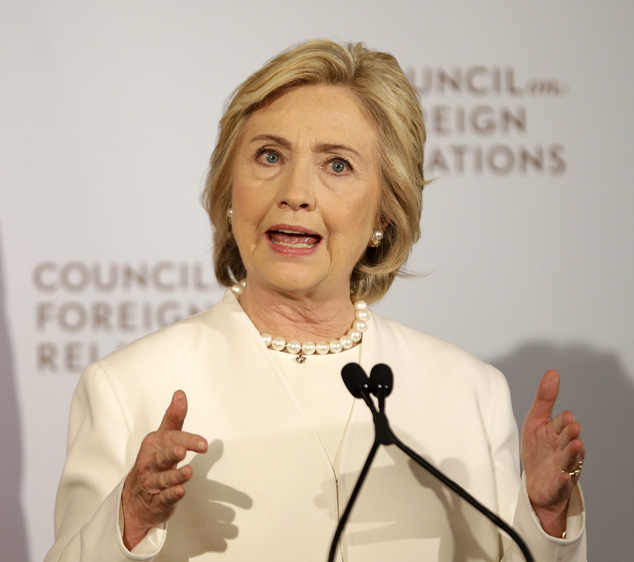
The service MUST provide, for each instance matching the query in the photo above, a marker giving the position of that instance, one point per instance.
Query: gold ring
(574, 473)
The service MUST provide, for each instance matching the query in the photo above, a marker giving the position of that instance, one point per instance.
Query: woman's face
(306, 189)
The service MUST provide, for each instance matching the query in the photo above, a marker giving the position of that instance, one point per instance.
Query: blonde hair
(392, 105)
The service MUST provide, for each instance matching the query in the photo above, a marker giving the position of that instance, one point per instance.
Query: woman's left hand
(551, 449)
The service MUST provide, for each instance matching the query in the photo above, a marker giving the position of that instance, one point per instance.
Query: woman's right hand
(155, 485)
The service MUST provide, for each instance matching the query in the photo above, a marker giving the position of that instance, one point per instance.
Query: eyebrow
(331, 147)
(277, 140)
(322, 147)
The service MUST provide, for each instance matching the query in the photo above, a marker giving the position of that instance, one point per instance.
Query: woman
(315, 197)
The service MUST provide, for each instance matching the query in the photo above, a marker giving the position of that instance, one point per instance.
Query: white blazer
(266, 489)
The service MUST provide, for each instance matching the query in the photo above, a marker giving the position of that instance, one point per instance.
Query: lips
(293, 236)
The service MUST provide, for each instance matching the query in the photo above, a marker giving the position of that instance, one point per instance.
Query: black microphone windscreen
(354, 378)
(381, 380)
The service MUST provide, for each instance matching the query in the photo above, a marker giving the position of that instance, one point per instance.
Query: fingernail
(201, 446)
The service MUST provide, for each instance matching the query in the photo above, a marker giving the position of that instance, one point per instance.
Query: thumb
(175, 413)
(547, 391)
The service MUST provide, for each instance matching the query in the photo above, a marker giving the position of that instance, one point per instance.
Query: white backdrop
(108, 116)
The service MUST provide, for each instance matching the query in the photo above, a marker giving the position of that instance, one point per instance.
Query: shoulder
(437, 374)
(429, 357)
(185, 346)
(178, 339)
(139, 379)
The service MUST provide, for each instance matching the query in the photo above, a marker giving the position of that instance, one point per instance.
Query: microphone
(380, 384)
(381, 380)
(355, 379)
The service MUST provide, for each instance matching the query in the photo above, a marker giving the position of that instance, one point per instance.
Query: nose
(297, 188)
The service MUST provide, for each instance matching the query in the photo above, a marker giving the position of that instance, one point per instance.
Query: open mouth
(293, 238)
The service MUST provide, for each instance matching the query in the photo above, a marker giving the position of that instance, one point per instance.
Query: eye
(268, 156)
(339, 166)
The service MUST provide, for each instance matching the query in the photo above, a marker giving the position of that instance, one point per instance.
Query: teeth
(291, 232)
(294, 245)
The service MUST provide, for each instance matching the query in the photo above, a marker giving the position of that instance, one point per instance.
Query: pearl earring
(375, 241)
(229, 215)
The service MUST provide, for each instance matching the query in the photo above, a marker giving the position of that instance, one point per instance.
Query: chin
(293, 279)
(295, 285)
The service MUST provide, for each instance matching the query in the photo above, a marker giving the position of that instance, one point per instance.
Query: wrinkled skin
(550, 445)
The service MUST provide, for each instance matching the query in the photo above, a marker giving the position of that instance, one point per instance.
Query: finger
(569, 433)
(174, 477)
(572, 455)
(562, 421)
(547, 391)
(567, 478)
(153, 484)
(175, 413)
(174, 449)
(169, 497)
(190, 441)
(167, 457)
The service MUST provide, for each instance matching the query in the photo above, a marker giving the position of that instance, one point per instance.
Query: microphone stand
(380, 384)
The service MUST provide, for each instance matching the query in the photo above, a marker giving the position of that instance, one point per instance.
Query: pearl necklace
(301, 350)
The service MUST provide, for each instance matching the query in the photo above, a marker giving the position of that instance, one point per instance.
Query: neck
(302, 317)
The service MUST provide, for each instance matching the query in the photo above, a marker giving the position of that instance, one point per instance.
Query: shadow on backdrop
(12, 533)
(595, 386)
